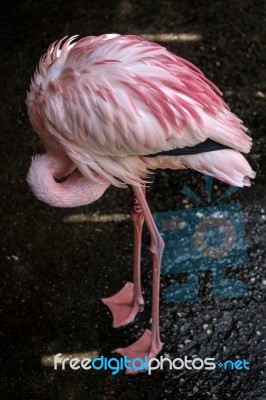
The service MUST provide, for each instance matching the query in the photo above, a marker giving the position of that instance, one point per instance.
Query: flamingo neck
(76, 190)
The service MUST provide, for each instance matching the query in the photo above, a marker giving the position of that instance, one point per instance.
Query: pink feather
(106, 102)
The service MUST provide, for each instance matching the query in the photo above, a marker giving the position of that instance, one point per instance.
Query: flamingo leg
(149, 344)
(126, 304)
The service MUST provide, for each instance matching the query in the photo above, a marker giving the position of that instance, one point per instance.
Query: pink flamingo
(112, 109)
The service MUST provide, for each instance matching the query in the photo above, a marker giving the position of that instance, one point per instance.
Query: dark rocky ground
(53, 272)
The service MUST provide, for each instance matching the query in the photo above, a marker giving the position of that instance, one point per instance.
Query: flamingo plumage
(110, 110)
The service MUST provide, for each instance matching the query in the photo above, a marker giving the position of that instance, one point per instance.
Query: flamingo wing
(120, 96)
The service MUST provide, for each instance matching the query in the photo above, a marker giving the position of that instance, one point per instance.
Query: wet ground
(56, 266)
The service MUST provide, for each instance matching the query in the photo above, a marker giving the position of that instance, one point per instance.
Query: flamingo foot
(143, 347)
(123, 306)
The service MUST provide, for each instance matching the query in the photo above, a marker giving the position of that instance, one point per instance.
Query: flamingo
(112, 109)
